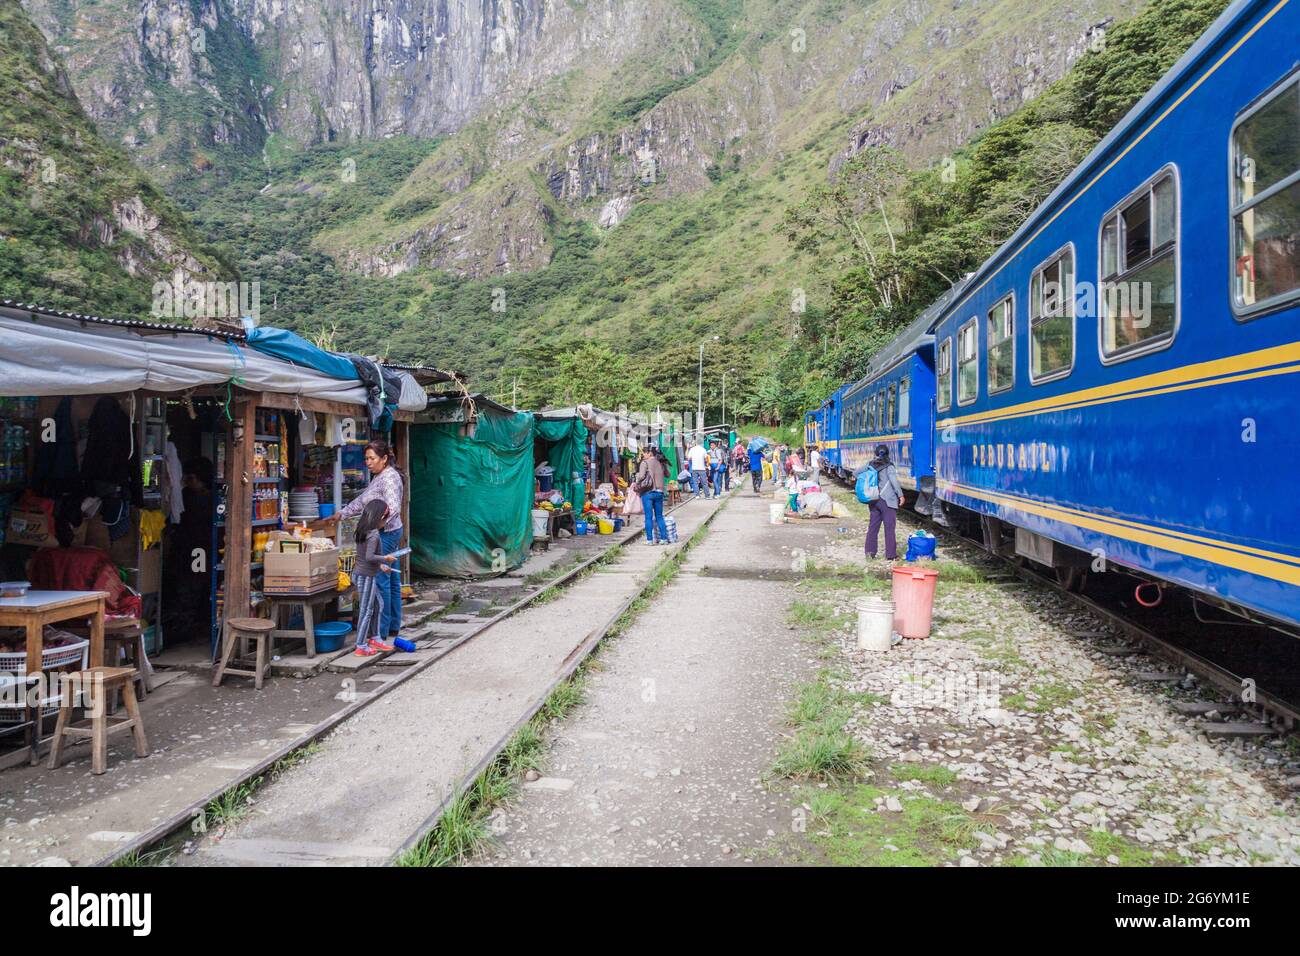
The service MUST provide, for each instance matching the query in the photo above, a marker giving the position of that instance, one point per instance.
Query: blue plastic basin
(329, 636)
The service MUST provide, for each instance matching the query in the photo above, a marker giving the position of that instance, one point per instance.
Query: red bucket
(913, 600)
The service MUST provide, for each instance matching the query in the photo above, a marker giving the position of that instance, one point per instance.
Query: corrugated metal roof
(423, 374)
(135, 324)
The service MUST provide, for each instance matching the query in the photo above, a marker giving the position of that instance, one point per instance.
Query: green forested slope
(80, 226)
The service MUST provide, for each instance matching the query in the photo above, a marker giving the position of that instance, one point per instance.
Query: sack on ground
(816, 503)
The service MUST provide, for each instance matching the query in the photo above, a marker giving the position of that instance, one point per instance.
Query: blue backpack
(867, 487)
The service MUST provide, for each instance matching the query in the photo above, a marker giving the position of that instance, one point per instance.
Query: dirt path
(663, 762)
(380, 775)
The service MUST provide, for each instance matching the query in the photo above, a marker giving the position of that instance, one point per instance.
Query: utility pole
(724, 396)
(699, 390)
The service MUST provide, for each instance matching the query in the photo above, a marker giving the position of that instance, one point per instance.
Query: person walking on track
(756, 469)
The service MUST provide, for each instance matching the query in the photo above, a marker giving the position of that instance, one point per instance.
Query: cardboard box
(34, 529)
(299, 586)
(306, 572)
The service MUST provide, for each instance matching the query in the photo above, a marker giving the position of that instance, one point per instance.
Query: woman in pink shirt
(387, 485)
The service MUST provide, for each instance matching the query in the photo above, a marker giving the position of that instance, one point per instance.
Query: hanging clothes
(151, 527)
(307, 428)
(111, 461)
(56, 462)
(333, 431)
(172, 496)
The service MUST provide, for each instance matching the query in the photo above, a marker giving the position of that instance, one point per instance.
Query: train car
(1114, 386)
(830, 419)
(892, 405)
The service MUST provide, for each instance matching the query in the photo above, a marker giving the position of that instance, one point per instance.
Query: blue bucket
(580, 527)
(329, 636)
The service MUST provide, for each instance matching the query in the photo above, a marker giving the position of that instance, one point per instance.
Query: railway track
(1279, 708)
(166, 829)
(1272, 708)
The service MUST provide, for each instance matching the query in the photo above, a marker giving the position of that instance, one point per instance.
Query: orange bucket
(913, 600)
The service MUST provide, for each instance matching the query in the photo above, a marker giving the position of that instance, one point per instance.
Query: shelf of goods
(268, 482)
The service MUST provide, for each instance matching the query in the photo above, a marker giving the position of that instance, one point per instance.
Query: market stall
(167, 455)
(472, 458)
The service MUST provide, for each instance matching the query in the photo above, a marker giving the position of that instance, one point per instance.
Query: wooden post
(239, 508)
(402, 436)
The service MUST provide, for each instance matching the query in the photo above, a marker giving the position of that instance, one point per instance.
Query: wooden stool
(129, 636)
(256, 629)
(674, 496)
(98, 683)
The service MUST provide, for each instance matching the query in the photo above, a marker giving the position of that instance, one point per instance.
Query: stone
(893, 805)
(553, 784)
(997, 717)
(971, 805)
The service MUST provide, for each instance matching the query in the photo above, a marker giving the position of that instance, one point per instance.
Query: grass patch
(932, 776)
(160, 856)
(1103, 845)
(815, 754)
(928, 831)
(813, 616)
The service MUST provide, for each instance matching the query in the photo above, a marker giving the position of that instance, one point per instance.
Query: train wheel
(1071, 577)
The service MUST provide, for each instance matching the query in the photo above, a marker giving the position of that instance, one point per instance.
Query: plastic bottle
(402, 644)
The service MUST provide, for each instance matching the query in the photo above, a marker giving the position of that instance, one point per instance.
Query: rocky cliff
(583, 108)
(80, 226)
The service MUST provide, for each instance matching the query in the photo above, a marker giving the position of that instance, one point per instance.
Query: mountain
(527, 189)
(80, 226)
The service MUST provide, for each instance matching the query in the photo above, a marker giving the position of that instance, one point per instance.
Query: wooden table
(280, 605)
(559, 519)
(35, 609)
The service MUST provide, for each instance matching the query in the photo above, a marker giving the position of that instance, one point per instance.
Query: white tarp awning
(54, 355)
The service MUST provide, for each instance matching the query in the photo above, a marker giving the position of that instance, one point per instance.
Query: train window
(1001, 338)
(1051, 317)
(880, 411)
(1266, 202)
(904, 408)
(892, 419)
(943, 375)
(1139, 270)
(968, 371)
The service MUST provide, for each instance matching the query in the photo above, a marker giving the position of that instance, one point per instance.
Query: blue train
(1112, 389)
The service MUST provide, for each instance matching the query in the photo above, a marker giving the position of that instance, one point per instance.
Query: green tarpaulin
(471, 498)
(670, 452)
(567, 438)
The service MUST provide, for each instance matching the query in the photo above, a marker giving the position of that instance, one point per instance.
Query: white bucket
(875, 623)
(776, 514)
(541, 522)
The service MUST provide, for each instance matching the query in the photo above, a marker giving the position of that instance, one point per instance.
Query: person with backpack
(649, 484)
(876, 484)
